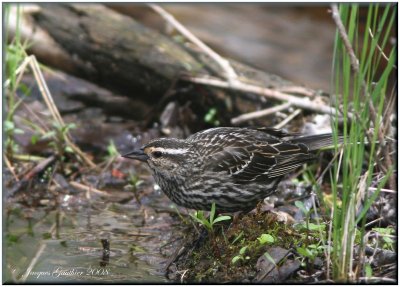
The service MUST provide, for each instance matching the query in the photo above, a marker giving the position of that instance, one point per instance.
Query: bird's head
(164, 156)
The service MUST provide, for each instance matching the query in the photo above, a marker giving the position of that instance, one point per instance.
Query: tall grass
(361, 90)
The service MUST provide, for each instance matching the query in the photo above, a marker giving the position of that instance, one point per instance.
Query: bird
(233, 167)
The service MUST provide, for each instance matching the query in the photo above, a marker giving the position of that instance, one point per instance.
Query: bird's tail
(317, 142)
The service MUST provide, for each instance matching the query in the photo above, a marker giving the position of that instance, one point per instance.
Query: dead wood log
(122, 55)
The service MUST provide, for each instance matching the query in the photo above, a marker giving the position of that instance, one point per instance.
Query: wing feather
(249, 155)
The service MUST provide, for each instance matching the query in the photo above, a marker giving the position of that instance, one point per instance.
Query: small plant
(209, 223)
(241, 256)
(10, 131)
(133, 184)
(134, 181)
(310, 252)
(386, 235)
(112, 150)
(58, 136)
(211, 117)
(266, 239)
(238, 237)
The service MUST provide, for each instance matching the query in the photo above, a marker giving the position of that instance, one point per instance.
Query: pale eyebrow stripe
(171, 150)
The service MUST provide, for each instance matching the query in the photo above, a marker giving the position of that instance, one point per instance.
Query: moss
(212, 261)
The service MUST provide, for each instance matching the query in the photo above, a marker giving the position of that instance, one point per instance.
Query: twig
(28, 157)
(30, 174)
(11, 169)
(304, 103)
(382, 190)
(39, 167)
(288, 119)
(328, 166)
(229, 72)
(355, 64)
(343, 35)
(379, 48)
(44, 90)
(374, 221)
(259, 114)
(297, 90)
(53, 109)
(88, 188)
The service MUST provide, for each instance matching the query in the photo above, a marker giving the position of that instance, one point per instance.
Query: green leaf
(388, 239)
(49, 134)
(243, 250)
(68, 149)
(384, 231)
(300, 205)
(266, 238)
(305, 252)
(112, 149)
(222, 218)
(212, 213)
(18, 131)
(238, 237)
(209, 117)
(236, 259)
(195, 217)
(34, 138)
(368, 270)
(8, 125)
(316, 227)
(24, 89)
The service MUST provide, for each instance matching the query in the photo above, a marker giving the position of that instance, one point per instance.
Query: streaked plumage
(233, 167)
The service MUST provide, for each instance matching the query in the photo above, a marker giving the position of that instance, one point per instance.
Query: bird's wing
(254, 162)
(242, 164)
(248, 155)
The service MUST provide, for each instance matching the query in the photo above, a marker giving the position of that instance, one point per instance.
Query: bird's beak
(137, 154)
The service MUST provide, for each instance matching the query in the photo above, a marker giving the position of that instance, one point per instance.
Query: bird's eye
(157, 154)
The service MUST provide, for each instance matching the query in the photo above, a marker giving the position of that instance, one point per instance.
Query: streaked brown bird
(233, 167)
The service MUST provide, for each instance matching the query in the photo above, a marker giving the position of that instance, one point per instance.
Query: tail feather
(317, 142)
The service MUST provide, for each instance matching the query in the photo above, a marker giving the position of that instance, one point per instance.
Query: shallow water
(37, 251)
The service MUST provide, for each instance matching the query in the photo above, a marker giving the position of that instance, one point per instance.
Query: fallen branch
(259, 114)
(304, 103)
